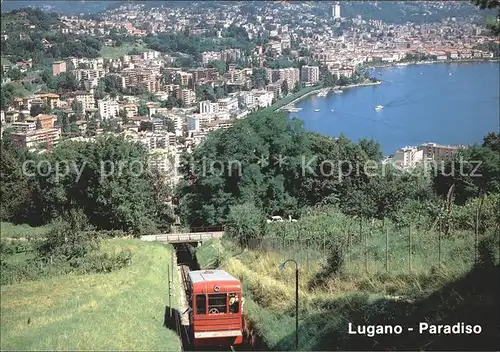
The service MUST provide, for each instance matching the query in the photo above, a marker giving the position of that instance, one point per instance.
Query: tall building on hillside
(336, 10)
(309, 74)
(408, 157)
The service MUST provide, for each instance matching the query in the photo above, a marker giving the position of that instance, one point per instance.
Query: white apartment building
(207, 107)
(108, 109)
(150, 55)
(187, 96)
(264, 98)
(208, 56)
(248, 99)
(336, 10)
(199, 122)
(228, 104)
(408, 157)
(88, 74)
(86, 99)
(23, 126)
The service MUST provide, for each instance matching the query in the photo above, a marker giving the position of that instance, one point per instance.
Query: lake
(448, 103)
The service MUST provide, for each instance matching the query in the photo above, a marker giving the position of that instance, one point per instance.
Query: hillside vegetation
(441, 296)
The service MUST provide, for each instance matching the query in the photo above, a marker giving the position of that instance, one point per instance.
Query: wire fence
(403, 250)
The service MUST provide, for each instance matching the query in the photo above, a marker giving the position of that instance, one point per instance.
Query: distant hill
(387, 11)
(409, 11)
(61, 7)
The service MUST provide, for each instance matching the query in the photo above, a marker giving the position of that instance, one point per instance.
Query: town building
(50, 99)
(108, 108)
(22, 127)
(309, 74)
(336, 10)
(86, 99)
(408, 157)
(34, 138)
(58, 67)
(207, 107)
(437, 152)
(131, 110)
(46, 121)
(187, 96)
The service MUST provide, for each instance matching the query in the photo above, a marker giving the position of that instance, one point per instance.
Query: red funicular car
(215, 299)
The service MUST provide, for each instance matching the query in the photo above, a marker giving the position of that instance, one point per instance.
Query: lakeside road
(326, 88)
(299, 98)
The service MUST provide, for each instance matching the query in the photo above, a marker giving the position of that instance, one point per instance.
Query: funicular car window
(201, 304)
(233, 303)
(217, 303)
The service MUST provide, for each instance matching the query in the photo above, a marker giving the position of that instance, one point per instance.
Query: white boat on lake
(316, 110)
(379, 107)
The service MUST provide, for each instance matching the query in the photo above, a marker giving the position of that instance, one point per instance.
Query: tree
(15, 74)
(492, 141)
(284, 88)
(219, 65)
(171, 102)
(205, 195)
(146, 126)
(142, 110)
(473, 171)
(123, 114)
(169, 124)
(113, 189)
(259, 78)
(36, 110)
(6, 95)
(14, 188)
(494, 25)
(77, 107)
(245, 222)
(67, 82)
(372, 148)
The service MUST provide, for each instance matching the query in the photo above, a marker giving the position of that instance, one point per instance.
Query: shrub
(69, 239)
(245, 222)
(334, 263)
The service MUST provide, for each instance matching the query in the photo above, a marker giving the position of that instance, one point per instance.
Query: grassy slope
(377, 298)
(123, 310)
(116, 52)
(8, 229)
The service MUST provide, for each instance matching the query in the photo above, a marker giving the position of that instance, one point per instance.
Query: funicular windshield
(218, 303)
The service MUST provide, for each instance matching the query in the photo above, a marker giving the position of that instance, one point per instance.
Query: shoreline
(329, 89)
(388, 65)
(428, 62)
(290, 104)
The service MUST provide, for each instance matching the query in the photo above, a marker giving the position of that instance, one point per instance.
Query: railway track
(183, 330)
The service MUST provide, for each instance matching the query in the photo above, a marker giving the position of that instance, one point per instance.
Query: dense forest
(109, 181)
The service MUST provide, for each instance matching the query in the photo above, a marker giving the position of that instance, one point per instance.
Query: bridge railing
(196, 234)
(207, 229)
